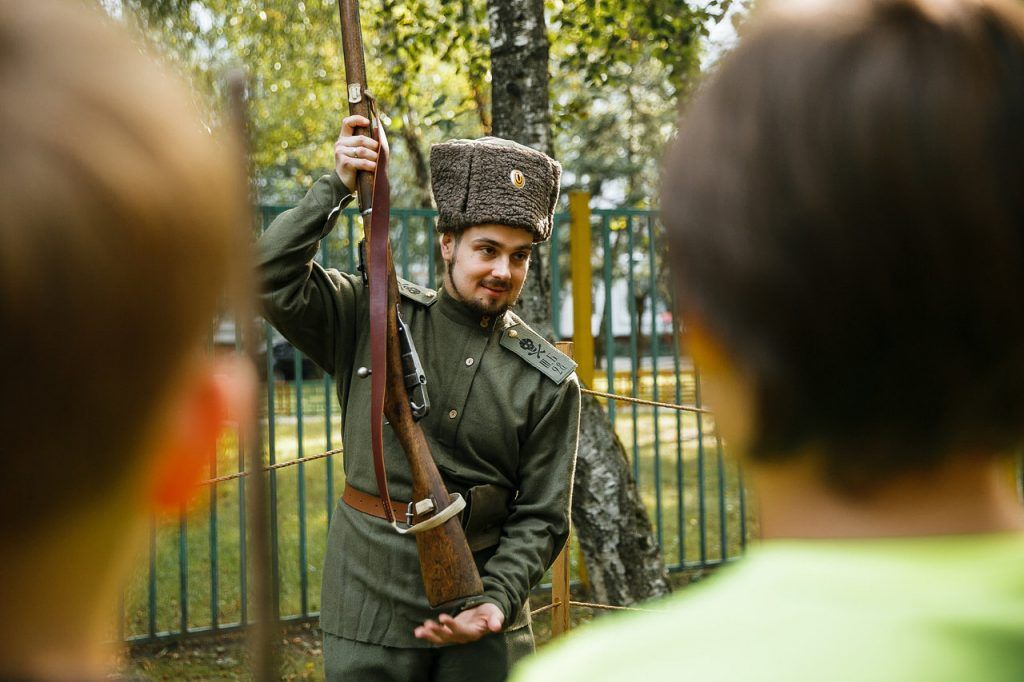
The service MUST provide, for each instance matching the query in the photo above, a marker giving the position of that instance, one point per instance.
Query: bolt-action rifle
(446, 562)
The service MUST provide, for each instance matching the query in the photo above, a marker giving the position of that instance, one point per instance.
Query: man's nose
(500, 269)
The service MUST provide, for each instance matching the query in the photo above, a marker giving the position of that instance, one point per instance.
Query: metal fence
(194, 579)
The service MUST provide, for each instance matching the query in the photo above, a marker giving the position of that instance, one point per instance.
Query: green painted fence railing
(193, 578)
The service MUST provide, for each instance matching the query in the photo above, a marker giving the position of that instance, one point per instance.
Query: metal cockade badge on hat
(517, 178)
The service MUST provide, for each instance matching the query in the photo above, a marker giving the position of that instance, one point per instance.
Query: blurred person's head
(117, 213)
(846, 208)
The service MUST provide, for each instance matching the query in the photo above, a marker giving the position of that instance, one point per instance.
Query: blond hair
(117, 211)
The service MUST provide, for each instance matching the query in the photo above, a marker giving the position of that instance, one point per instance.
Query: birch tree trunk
(520, 112)
(614, 530)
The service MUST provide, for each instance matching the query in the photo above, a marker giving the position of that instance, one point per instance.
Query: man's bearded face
(486, 266)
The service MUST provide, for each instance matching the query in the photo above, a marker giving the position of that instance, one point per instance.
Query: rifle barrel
(355, 77)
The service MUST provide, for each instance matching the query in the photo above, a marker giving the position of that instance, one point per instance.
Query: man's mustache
(495, 284)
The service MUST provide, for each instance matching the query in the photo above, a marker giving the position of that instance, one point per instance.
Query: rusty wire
(329, 453)
(546, 607)
(273, 467)
(609, 607)
(641, 401)
(589, 605)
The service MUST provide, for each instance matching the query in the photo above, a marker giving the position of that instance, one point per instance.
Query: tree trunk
(640, 306)
(519, 72)
(519, 111)
(421, 168)
(622, 557)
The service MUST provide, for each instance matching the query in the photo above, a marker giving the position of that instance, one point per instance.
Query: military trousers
(488, 659)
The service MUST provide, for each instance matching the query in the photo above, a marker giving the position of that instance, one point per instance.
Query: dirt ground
(225, 657)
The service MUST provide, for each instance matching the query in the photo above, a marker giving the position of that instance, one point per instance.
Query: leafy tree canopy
(619, 69)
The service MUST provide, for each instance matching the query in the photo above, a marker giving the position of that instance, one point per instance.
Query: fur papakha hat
(492, 180)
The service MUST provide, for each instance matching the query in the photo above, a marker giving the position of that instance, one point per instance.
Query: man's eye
(487, 251)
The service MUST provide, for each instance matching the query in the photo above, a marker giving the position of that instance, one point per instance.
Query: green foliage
(622, 67)
(292, 52)
(618, 69)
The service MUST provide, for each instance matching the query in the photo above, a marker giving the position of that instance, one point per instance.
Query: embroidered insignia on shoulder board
(416, 293)
(532, 348)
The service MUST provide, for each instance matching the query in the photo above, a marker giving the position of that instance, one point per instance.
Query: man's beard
(470, 302)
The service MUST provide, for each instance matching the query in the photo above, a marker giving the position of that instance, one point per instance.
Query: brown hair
(117, 210)
(846, 206)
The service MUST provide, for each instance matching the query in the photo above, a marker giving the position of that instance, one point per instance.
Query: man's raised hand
(354, 152)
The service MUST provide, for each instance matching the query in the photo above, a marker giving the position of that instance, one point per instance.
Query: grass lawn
(195, 559)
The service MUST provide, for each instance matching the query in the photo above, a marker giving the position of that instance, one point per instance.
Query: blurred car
(282, 357)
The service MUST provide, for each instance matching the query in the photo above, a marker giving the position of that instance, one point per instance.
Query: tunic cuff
(340, 189)
(485, 598)
(329, 191)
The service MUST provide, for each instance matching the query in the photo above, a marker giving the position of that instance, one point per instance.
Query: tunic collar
(461, 314)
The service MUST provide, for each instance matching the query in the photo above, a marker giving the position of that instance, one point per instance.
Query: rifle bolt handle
(363, 372)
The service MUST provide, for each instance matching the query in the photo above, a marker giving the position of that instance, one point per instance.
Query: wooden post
(560, 569)
(580, 246)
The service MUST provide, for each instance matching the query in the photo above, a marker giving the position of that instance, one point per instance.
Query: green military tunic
(505, 411)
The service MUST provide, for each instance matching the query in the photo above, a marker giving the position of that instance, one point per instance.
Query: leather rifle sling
(378, 248)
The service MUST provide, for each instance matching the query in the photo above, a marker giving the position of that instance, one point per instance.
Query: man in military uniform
(504, 423)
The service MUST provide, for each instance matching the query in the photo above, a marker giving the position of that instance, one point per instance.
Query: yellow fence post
(582, 301)
(580, 246)
(560, 569)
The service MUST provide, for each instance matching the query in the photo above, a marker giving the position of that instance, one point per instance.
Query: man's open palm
(468, 626)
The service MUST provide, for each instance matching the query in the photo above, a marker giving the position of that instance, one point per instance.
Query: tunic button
(513, 333)
(453, 414)
(484, 321)
(469, 362)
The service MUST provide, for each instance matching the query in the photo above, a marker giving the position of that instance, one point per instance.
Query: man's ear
(218, 393)
(447, 241)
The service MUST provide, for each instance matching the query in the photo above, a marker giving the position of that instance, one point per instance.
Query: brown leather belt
(371, 504)
(486, 511)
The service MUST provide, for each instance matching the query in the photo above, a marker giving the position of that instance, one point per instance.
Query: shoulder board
(421, 295)
(532, 348)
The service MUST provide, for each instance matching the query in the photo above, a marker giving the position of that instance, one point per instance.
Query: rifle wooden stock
(446, 562)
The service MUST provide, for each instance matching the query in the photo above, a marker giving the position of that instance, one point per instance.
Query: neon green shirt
(938, 609)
